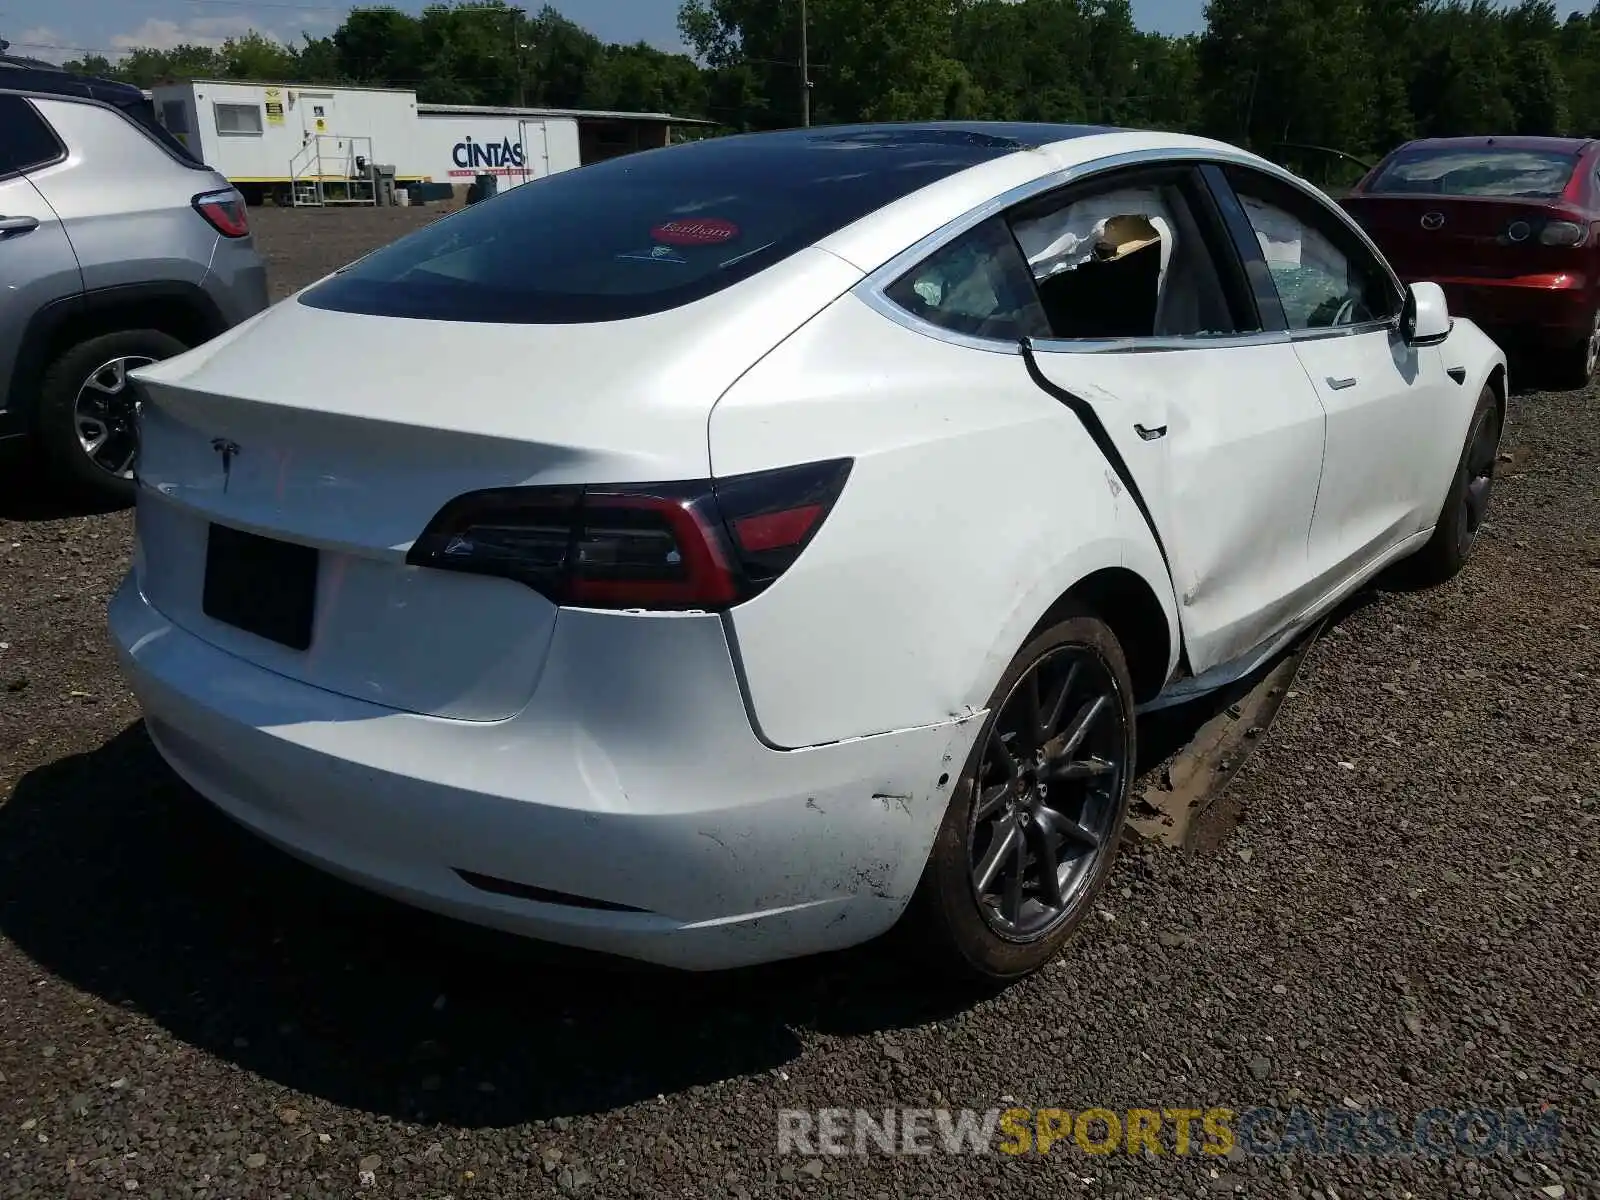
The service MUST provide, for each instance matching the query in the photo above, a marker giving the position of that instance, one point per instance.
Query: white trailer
(313, 144)
(458, 143)
(288, 136)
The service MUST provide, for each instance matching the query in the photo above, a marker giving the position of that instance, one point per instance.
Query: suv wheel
(88, 418)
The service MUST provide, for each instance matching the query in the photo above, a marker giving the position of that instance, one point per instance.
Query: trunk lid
(347, 433)
(1450, 237)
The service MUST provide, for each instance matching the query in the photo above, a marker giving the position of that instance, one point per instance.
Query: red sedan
(1509, 226)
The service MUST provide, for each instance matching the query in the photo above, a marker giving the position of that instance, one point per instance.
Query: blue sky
(60, 29)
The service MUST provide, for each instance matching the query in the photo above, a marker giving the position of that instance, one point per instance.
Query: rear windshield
(648, 231)
(1485, 171)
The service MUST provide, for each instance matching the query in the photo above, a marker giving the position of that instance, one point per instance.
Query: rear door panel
(1231, 484)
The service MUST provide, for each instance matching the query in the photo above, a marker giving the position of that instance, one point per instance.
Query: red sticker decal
(695, 231)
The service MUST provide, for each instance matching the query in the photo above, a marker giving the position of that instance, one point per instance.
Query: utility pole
(516, 59)
(805, 70)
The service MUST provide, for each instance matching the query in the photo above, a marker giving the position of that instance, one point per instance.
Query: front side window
(978, 285)
(1324, 276)
(1500, 172)
(238, 120)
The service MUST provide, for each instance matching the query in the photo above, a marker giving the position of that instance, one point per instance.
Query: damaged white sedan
(719, 553)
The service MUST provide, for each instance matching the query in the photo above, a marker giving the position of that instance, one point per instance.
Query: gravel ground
(300, 245)
(1405, 917)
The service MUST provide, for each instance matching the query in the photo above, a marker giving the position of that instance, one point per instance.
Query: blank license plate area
(261, 585)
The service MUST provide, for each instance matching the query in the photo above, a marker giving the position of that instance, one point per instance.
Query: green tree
(255, 56)
(1279, 71)
(871, 59)
(1458, 83)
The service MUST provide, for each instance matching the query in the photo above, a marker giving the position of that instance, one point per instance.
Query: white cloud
(313, 19)
(156, 34)
(45, 43)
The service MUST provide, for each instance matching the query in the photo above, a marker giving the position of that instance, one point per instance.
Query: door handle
(1150, 435)
(18, 224)
(1339, 385)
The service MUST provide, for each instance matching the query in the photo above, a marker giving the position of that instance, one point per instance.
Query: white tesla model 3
(715, 554)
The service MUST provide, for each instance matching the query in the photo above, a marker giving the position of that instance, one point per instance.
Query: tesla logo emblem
(1432, 220)
(228, 450)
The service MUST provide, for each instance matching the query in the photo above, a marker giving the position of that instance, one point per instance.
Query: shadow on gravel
(28, 494)
(1533, 372)
(119, 879)
(122, 881)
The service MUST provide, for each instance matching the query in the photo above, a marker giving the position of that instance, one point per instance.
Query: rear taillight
(225, 211)
(1563, 233)
(1559, 229)
(673, 546)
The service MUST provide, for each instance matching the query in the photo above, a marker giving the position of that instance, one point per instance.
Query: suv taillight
(225, 211)
(708, 544)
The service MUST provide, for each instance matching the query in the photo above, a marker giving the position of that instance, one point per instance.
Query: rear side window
(140, 114)
(26, 141)
(645, 232)
(978, 285)
(1491, 171)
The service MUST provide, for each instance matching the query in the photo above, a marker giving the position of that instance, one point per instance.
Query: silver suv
(117, 248)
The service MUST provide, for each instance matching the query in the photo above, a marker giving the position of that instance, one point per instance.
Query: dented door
(1224, 443)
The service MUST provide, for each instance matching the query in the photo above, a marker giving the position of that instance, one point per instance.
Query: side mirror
(1425, 319)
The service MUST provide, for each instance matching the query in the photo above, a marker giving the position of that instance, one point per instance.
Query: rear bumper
(236, 280)
(1550, 309)
(632, 781)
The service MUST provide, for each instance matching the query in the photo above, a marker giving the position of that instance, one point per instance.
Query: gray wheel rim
(1591, 355)
(1045, 796)
(105, 415)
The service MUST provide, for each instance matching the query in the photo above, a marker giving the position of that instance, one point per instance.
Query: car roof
(47, 82)
(1501, 141)
(881, 145)
(1044, 153)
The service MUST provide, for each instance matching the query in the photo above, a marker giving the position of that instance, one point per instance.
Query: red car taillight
(1559, 229)
(671, 546)
(225, 211)
(1564, 233)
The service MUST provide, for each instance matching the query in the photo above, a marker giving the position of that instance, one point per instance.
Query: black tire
(967, 936)
(1577, 364)
(57, 425)
(1467, 502)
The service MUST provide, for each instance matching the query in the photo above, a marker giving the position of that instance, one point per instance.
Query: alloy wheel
(106, 415)
(1045, 800)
